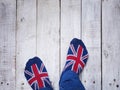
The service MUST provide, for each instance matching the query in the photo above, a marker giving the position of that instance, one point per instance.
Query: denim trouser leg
(46, 88)
(70, 81)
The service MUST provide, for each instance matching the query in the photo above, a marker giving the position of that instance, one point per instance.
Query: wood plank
(111, 44)
(70, 25)
(48, 37)
(26, 39)
(91, 35)
(7, 44)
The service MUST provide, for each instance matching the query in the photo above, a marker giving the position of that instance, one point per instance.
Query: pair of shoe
(37, 76)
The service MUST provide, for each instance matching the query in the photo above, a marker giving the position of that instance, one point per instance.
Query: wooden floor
(44, 28)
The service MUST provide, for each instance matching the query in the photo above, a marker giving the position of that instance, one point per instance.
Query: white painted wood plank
(70, 25)
(91, 35)
(7, 44)
(48, 37)
(26, 39)
(111, 44)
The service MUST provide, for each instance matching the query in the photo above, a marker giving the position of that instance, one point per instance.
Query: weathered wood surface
(111, 44)
(7, 44)
(70, 26)
(91, 35)
(44, 28)
(25, 39)
(48, 37)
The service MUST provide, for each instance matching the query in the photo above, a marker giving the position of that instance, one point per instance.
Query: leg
(76, 59)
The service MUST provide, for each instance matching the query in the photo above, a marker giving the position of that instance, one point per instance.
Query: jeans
(69, 81)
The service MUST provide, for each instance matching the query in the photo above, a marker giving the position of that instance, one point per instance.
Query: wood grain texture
(48, 37)
(70, 25)
(111, 44)
(26, 39)
(91, 36)
(7, 44)
(46, 27)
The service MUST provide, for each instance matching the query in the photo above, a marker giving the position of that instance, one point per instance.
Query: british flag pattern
(77, 56)
(36, 74)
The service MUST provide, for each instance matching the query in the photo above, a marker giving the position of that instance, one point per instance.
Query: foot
(76, 57)
(36, 74)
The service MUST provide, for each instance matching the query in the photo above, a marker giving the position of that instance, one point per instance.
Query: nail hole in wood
(7, 83)
(22, 83)
(110, 84)
(22, 19)
(114, 80)
(93, 82)
(1, 82)
(105, 54)
(117, 86)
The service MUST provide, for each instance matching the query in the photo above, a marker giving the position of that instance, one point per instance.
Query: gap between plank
(59, 37)
(81, 21)
(16, 27)
(101, 46)
(36, 24)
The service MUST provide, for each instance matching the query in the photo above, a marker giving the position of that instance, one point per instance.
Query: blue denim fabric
(46, 88)
(70, 81)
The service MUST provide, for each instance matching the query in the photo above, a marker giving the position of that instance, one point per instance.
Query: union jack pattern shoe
(36, 75)
(77, 56)
(76, 59)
